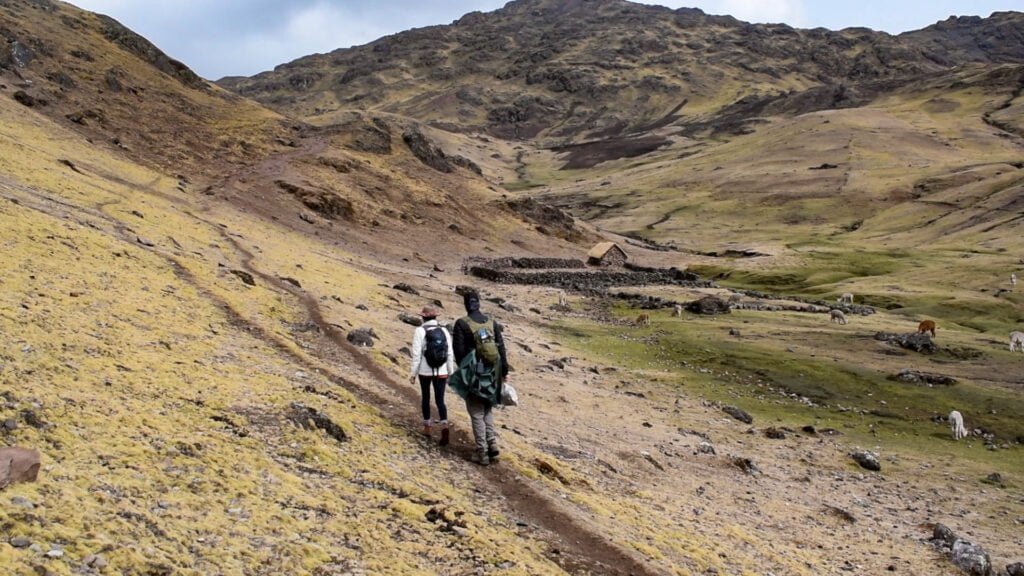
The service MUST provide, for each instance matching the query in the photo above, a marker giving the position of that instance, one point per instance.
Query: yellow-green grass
(782, 354)
(166, 446)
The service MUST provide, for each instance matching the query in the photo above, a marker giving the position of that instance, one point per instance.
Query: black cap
(472, 302)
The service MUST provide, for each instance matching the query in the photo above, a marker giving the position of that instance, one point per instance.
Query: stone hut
(607, 254)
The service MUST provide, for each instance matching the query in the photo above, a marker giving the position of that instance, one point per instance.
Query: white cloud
(789, 11)
(792, 12)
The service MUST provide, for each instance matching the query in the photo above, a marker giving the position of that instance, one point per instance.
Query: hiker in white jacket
(432, 361)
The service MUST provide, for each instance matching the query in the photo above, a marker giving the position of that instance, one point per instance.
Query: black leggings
(439, 383)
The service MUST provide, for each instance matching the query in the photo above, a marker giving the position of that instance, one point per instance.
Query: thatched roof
(598, 252)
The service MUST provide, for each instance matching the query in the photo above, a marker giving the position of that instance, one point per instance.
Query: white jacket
(419, 363)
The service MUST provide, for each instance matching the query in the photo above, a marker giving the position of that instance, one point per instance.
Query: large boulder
(708, 305)
(18, 465)
(971, 558)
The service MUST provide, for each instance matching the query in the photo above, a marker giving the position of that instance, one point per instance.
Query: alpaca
(1016, 341)
(837, 316)
(677, 311)
(643, 320)
(926, 326)
(846, 298)
(956, 423)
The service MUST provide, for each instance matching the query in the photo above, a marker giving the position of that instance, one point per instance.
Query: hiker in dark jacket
(480, 412)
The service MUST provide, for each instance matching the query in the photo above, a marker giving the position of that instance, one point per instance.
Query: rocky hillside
(578, 70)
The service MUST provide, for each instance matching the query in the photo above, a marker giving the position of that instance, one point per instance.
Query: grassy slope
(130, 353)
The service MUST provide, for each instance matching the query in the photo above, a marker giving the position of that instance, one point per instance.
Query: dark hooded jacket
(462, 335)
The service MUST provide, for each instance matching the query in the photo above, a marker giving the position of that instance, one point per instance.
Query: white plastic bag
(509, 397)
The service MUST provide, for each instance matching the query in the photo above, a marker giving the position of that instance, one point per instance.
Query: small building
(607, 254)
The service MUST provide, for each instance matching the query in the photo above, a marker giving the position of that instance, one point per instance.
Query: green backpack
(483, 336)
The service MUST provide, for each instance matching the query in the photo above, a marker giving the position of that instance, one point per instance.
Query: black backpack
(435, 349)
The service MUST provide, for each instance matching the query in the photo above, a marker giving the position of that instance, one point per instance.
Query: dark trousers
(438, 383)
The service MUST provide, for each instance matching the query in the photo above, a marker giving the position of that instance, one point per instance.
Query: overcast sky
(242, 37)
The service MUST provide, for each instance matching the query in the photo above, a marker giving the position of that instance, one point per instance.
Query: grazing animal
(1016, 341)
(846, 298)
(837, 316)
(643, 320)
(1013, 278)
(926, 326)
(677, 311)
(562, 301)
(956, 423)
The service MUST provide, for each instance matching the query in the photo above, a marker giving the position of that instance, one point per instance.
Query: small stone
(363, 307)
(100, 562)
(775, 433)
(55, 553)
(1015, 569)
(706, 447)
(410, 319)
(738, 414)
(867, 460)
(21, 542)
(145, 242)
(22, 502)
(403, 287)
(10, 424)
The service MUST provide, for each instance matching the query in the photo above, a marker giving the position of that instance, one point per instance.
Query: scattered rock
(775, 433)
(995, 478)
(841, 513)
(403, 287)
(747, 465)
(18, 465)
(438, 268)
(410, 319)
(26, 99)
(21, 542)
(706, 447)
(824, 166)
(145, 242)
(1015, 569)
(462, 290)
(916, 377)
(363, 307)
(809, 430)
(943, 536)
(709, 305)
(362, 337)
(22, 502)
(738, 414)
(734, 332)
(867, 460)
(311, 418)
(291, 281)
(245, 277)
(918, 342)
(34, 420)
(971, 558)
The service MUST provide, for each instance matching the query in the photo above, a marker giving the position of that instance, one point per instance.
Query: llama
(846, 298)
(956, 423)
(562, 302)
(926, 326)
(1016, 341)
(643, 320)
(677, 311)
(837, 316)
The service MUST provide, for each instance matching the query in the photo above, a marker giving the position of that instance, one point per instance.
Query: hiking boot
(426, 428)
(493, 452)
(481, 459)
(444, 437)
